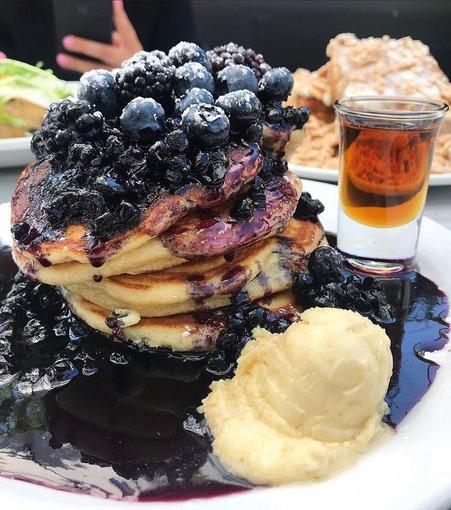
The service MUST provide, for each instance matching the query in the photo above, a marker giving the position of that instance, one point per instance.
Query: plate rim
(16, 140)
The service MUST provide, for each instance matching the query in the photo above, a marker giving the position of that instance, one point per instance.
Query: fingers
(93, 49)
(116, 39)
(2, 55)
(78, 64)
(125, 43)
(123, 24)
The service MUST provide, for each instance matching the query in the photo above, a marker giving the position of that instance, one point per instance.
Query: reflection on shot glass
(386, 147)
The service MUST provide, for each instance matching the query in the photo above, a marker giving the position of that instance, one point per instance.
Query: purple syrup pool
(82, 413)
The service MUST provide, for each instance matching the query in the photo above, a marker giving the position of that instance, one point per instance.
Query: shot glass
(386, 147)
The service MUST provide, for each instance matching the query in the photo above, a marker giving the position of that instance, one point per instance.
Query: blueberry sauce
(82, 413)
(199, 289)
(421, 324)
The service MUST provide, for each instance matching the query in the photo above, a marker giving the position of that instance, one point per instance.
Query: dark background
(295, 33)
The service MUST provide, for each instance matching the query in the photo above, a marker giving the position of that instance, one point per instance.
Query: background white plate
(329, 175)
(15, 151)
(410, 471)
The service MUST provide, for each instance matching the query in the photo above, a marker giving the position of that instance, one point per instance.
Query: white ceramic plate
(410, 471)
(329, 175)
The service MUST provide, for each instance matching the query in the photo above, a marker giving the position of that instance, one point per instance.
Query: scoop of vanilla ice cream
(304, 403)
(339, 375)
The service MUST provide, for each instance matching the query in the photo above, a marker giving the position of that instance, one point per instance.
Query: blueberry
(86, 153)
(127, 214)
(62, 208)
(88, 121)
(192, 75)
(242, 343)
(71, 111)
(206, 125)
(21, 231)
(174, 177)
(281, 325)
(91, 205)
(211, 167)
(99, 88)
(326, 298)
(63, 138)
(275, 115)
(193, 96)
(237, 319)
(227, 341)
(256, 193)
(217, 364)
(296, 117)
(243, 209)
(276, 84)
(109, 186)
(258, 185)
(241, 106)
(158, 152)
(173, 123)
(236, 77)
(202, 161)
(176, 141)
(105, 223)
(280, 166)
(114, 146)
(326, 264)
(176, 170)
(184, 52)
(308, 208)
(253, 133)
(143, 120)
(256, 317)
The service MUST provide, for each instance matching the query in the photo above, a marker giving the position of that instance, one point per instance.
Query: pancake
(75, 243)
(216, 232)
(258, 270)
(204, 233)
(184, 332)
(150, 256)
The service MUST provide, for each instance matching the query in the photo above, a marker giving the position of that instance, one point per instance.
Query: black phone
(92, 19)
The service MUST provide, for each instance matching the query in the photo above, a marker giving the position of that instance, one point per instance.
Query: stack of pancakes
(161, 200)
(187, 255)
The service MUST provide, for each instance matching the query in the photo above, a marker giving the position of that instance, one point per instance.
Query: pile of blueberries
(241, 320)
(159, 122)
(325, 283)
(328, 283)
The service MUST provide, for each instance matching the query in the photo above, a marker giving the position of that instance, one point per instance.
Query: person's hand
(125, 43)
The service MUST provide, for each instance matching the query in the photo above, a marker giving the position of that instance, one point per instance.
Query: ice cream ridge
(305, 403)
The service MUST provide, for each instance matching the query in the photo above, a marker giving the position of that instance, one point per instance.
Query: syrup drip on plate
(82, 413)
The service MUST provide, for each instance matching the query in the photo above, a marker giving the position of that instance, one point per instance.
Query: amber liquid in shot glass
(386, 148)
(385, 174)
